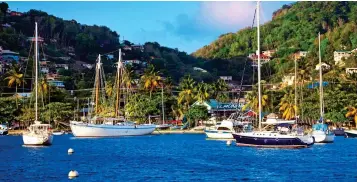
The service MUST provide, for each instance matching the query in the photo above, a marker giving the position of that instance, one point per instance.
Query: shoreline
(156, 132)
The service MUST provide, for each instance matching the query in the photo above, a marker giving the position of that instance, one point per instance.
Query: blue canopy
(320, 126)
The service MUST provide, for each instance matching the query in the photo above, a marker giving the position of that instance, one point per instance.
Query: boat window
(222, 128)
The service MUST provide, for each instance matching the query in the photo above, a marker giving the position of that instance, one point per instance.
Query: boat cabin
(39, 127)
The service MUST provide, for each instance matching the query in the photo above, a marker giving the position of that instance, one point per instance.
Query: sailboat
(109, 126)
(38, 133)
(320, 130)
(270, 139)
(163, 126)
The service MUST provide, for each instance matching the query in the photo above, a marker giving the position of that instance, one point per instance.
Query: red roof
(262, 56)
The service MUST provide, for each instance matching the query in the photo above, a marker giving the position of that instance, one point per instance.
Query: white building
(44, 70)
(324, 66)
(288, 80)
(338, 55)
(200, 69)
(351, 70)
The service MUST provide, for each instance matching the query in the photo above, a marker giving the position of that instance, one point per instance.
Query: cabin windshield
(223, 128)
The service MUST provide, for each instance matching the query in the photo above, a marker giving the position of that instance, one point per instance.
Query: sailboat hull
(37, 139)
(322, 137)
(270, 140)
(94, 130)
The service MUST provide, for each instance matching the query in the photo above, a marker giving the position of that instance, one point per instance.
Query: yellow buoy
(70, 151)
(72, 174)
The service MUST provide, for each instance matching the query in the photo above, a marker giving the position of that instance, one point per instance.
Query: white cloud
(227, 15)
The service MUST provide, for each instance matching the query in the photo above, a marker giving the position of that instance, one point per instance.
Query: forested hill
(59, 35)
(294, 27)
(78, 42)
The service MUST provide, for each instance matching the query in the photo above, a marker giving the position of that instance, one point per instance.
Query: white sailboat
(321, 131)
(270, 139)
(109, 127)
(38, 133)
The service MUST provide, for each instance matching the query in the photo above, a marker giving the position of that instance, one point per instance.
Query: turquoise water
(175, 157)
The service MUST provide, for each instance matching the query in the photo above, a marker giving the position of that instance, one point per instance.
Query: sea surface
(174, 157)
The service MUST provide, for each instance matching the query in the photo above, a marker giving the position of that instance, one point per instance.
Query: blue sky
(187, 26)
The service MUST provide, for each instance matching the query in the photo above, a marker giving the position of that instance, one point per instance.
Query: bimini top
(320, 126)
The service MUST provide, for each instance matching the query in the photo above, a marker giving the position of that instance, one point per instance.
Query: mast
(117, 103)
(36, 72)
(258, 53)
(295, 80)
(162, 102)
(321, 85)
(97, 85)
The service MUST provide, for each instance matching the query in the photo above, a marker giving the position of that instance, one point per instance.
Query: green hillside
(293, 28)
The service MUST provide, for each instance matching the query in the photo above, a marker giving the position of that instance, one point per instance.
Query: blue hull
(266, 142)
(350, 135)
(339, 132)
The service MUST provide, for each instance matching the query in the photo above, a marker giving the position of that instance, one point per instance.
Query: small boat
(273, 119)
(351, 133)
(339, 132)
(37, 134)
(273, 139)
(320, 131)
(3, 129)
(322, 134)
(163, 126)
(103, 126)
(225, 129)
(58, 133)
(270, 139)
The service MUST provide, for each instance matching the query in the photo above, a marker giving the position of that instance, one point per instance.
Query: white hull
(102, 130)
(322, 137)
(37, 139)
(217, 135)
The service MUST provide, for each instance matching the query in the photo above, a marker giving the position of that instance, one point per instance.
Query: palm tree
(253, 101)
(109, 88)
(352, 112)
(287, 105)
(15, 77)
(151, 79)
(186, 94)
(202, 92)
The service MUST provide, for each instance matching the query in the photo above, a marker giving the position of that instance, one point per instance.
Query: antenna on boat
(259, 75)
(36, 72)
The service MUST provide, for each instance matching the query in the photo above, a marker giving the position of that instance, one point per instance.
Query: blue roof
(317, 84)
(223, 106)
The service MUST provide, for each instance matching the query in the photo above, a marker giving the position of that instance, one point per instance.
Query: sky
(187, 26)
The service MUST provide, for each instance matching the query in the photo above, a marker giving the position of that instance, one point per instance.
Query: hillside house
(325, 67)
(52, 76)
(200, 69)
(65, 66)
(288, 80)
(351, 70)
(9, 56)
(138, 47)
(44, 70)
(300, 54)
(263, 59)
(127, 48)
(56, 83)
(269, 53)
(338, 55)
